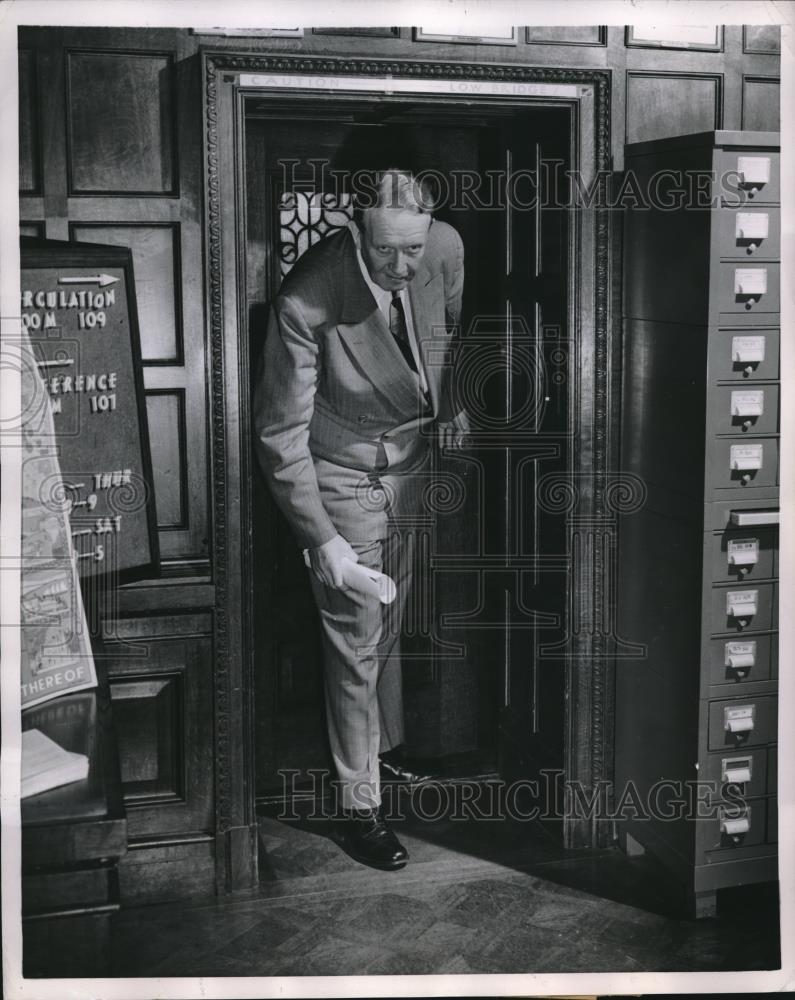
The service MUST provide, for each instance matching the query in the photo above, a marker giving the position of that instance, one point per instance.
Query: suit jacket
(335, 404)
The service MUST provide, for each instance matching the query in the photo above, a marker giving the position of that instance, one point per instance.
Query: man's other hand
(326, 561)
(453, 433)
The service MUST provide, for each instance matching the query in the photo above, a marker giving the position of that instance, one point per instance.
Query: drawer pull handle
(741, 661)
(753, 518)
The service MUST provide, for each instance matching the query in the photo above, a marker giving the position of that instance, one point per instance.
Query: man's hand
(453, 433)
(326, 561)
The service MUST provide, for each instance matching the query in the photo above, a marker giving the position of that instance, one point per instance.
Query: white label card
(742, 602)
(748, 403)
(741, 648)
(746, 456)
(754, 169)
(748, 349)
(743, 552)
(752, 226)
(750, 281)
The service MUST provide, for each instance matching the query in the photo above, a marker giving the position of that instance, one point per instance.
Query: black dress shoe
(369, 840)
(396, 767)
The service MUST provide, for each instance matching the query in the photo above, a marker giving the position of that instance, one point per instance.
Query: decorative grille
(306, 216)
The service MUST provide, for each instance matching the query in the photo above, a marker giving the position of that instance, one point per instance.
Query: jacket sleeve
(454, 281)
(283, 405)
(453, 294)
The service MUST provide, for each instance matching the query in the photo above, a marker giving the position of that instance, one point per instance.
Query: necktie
(397, 324)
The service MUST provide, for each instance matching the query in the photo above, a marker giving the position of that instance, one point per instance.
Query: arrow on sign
(92, 279)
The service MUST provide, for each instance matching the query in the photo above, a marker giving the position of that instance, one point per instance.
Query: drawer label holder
(745, 403)
(743, 551)
(742, 603)
(745, 457)
(738, 718)
(734, 826)
(750, 281)
(752, 226)
(754, 170)
(740, 656)
(748, 349)
(736, 770)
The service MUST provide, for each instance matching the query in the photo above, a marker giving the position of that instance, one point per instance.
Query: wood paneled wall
(111, 152)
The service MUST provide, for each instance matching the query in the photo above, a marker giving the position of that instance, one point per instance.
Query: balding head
(394, 228)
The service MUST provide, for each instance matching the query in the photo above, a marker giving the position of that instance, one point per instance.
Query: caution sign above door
(78, 309)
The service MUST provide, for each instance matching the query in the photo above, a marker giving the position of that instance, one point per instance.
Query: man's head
(394, 230)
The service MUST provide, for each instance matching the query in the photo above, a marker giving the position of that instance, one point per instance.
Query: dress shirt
(383, 299)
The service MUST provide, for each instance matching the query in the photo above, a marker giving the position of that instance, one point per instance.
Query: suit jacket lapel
(366, 332)
(426, 293)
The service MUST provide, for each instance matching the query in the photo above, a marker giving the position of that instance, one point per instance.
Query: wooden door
(536, 452)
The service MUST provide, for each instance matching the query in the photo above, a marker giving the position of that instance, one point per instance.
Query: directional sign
(93, 279)
(78, 308)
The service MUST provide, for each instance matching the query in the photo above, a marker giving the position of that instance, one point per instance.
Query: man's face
(393, 244)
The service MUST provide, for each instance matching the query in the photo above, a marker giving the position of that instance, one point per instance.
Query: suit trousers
(362, 669)
(378, 514)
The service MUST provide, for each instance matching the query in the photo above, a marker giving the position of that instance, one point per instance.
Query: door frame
(591, 500)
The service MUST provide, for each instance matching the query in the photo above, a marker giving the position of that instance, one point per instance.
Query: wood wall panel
(764, 39)
(29, 158)
(155, 250)
(566, 34)
(761, 111)
(31, 229)
(163, 228)
(359, 32)
(166, 412)
(693, 38)
(167, 870)
(664, 104)
(161, 686)
(121, 123)
(150, 707)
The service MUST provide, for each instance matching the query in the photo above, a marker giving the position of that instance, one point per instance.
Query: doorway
(492, 587)
(570, 726)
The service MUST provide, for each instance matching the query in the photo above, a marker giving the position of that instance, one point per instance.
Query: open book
(47, 765)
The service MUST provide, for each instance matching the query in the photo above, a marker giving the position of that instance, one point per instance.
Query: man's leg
(398, 561)
(351, 625)
(407, 522)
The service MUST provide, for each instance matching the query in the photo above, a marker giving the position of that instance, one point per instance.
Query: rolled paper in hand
(365, 580)
(369, 581)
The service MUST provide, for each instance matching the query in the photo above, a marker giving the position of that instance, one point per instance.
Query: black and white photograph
(394, 441)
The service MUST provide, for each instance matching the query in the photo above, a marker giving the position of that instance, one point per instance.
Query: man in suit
(355, 386)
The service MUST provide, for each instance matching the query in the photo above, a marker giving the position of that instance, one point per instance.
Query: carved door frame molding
(588, 492)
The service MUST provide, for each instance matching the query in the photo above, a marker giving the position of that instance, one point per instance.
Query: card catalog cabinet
(698, 561)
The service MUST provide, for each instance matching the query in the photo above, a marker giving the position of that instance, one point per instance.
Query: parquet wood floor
(477, 897)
